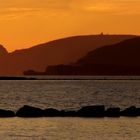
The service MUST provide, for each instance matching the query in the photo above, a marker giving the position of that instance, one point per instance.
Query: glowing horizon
(30, 22)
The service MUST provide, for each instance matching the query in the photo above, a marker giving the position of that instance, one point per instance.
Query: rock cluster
(87, 111)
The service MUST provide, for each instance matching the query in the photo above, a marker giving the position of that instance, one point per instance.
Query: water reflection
(70, 129)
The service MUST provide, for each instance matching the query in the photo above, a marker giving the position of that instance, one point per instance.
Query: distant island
(117, 59)
(66, 51)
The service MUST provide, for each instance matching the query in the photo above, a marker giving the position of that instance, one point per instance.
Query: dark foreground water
(69, 94)
(70, 129)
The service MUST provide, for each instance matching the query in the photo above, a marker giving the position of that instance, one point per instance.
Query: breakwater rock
(86, 111)
(29, 111)
(7, 113)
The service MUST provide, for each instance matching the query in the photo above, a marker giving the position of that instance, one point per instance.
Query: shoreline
(67, 77)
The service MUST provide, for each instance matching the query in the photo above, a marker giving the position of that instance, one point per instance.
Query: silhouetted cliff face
(125, 53)
(62, 51)
(119, 59)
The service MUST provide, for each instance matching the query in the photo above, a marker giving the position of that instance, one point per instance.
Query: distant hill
(118, 59)
(61, 51)
(125, 53)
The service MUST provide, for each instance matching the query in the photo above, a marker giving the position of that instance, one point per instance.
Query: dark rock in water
(56, 113)
(87, 111)
(92, 111)
(6, 113)
(29, 111)
(112, 112)
(138, 111)
(69, 113)
(50, 112)
(131, 112)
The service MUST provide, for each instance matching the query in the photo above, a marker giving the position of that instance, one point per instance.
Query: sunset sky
(29, 22)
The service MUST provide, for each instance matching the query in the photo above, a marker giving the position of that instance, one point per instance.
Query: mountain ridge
(118, 59)
(123, 53)
(62, 51)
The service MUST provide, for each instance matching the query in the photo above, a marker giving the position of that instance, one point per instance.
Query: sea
(70, 93)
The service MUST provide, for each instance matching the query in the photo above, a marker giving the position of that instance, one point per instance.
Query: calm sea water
(70, 94)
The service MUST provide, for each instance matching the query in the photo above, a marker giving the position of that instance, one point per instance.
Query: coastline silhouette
(117, 59)
(62, 51)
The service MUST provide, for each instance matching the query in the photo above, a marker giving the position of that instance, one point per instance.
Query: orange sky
(29, 22)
